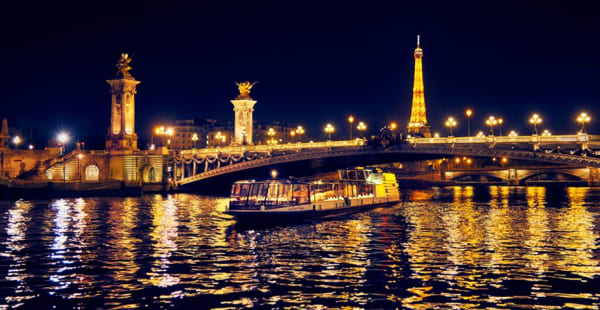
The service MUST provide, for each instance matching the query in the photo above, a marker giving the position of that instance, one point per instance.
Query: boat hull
(273, 216)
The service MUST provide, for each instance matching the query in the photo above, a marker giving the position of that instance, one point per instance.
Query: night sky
(316, 62)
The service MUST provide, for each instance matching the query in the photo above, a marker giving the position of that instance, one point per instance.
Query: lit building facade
(417, 126)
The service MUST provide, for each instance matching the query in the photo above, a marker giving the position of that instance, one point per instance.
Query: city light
(31, 146)
(500, 121)
(491, 121)
(300, 131)
(361, 126)
(469, 112)
(582, 119)
(79, 156)
(512, 134)
(436, 135)
(195, 139)
(393, 126)
(329, 129)
(480, 134)
(274, 173)
(546, 133)
(63, 138)
(450, 123)
(16, 140)
(504, 160)
(535, 120)
(350, 121)
(469, 161)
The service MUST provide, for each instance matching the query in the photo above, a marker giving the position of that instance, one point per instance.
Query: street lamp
(546, 133)
(274, 173)
(582, 119)
(450, 123)
(300, 131)
(329, 129)
(361, 126)
(469, 112)
(351, 122)
(535, 120)
(62, 139)
(195, 139)
(16, 140)
(79, 157)
(480, 134)
(512, 134)
(271, 133)
(491, 121)
(292, 135)
(500, 121)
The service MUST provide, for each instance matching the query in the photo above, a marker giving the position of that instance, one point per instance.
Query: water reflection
(463, 247)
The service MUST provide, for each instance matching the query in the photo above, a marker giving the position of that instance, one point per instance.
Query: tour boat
(276, 199)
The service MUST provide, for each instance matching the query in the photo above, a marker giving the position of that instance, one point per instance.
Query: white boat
(291, 199)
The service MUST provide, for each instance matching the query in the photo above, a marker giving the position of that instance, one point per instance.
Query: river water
(502, 247)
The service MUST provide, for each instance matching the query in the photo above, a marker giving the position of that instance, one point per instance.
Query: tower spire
(418, 118)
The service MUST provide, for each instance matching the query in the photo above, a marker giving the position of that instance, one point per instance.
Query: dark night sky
(316, 62)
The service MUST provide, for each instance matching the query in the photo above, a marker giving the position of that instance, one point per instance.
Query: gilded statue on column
(123, 66)
(244, 88)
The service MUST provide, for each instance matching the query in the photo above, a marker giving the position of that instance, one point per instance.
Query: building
(417, 126)
(273, 133)
(191, 133)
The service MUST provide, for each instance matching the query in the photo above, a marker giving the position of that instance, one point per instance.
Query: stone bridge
(203, 165)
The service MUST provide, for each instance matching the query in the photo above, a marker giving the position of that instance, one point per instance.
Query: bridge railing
(276, 147)
(580, 138)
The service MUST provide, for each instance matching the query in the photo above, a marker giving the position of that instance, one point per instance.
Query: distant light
(63, 137)
(31, 146)
(16, 140)
(80, 156)
(274, 173)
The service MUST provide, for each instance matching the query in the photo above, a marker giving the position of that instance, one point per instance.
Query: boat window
(257, 193)
(239, 194)
(271, 197)
(352, 175)
(284, 197)
(300, 194)
(343, 174)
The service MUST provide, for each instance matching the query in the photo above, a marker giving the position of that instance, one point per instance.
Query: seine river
(463, 247)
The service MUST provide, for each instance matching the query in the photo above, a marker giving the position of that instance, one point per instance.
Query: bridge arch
(551, 176)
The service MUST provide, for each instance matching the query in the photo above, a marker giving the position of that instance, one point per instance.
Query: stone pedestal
(121, 136)
(243, 107)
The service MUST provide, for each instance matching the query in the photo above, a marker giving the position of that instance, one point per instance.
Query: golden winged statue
(244, 88)
(123, 66)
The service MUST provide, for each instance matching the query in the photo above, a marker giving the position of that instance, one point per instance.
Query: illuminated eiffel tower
(417, 126)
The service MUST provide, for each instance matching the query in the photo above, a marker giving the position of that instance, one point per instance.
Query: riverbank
(16, 189)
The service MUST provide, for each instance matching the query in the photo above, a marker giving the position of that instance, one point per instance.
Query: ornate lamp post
(582, 119)
(351, 122)
(512, 134)
(300, 131)
(500, 121)
(195, 139)
(16, 140)
(469, 112)
(546, 133)
(491, 121)
(329, 129)
(361, 127)
(292, 135)
(535, 120)
(450, 123)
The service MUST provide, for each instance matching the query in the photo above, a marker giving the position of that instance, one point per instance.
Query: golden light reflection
(464, 245)
(164, 242)
(16, 230)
